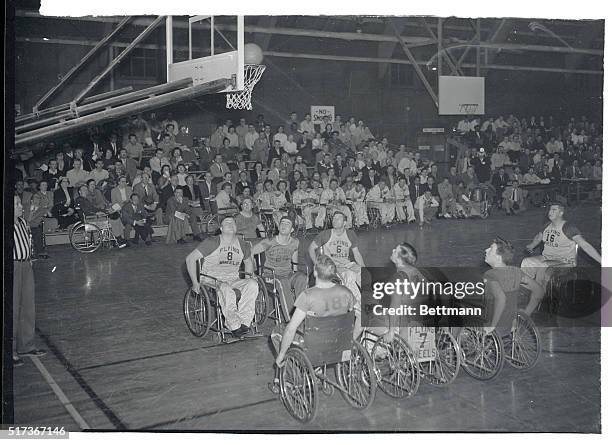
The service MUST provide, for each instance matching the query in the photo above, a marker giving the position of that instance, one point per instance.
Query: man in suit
(416, 189)
(513, 199)
(168, 192)
(192, 194)
(121, 194)
(208, 190)
(276, 152)
(243, 183)
(130, 166)
(500, 180)
(206, 153)
(113, 144)
(134, 216)
(149, 198)
(349, 169)
(218, 169)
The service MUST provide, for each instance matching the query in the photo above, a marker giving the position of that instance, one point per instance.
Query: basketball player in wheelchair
(221, 259)
(325, 299)
(509, 335)
(279, 267)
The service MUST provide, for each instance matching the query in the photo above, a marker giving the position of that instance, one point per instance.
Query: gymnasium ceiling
(572, 47)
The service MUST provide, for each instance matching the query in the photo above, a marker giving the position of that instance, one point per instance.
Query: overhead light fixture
(433, 68)
(45, 39)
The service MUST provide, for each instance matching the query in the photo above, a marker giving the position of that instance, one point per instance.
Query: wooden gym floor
(122, 355)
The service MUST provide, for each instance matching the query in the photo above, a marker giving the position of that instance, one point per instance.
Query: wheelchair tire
(298, 386)
(522, 347)
(197, 312)
(261, 304)
(445, 368)
(482, 356)
(356, 378)
(85, 237)
(396, 368)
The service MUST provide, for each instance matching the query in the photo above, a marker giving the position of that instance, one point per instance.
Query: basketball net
(241, 100)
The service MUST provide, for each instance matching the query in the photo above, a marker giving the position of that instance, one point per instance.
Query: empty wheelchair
(91, 233)
(483, 355)
(374, 215)
(327, 342)
(202, 310)
(480, 202)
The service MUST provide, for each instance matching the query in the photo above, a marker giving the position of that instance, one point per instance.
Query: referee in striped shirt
(24, 312)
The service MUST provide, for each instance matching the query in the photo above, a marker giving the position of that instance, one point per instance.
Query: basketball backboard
(215, 50)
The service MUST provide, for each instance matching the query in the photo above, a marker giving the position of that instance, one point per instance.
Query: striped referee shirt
(22, 247)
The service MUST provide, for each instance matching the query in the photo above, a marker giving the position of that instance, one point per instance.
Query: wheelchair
(267, 221)
(202, 311)
(431, 354)
(91, 233)
(483, 355)
(327, 342)
(480, 198)
(374, 215)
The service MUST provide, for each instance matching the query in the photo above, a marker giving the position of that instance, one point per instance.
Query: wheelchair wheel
(356, 378)
(522, 346)
(261, 303)
(482, 355)
(268, 223)
(447, 363)
(396, 368)
(298, 387)
(85, 237)
(196, 309)
(374, 217)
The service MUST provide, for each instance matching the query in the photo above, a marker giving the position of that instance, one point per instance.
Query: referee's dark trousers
(24, 312)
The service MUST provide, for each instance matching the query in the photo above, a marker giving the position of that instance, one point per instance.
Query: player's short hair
(226, 217)
(505, 250)
(325, 268)
(408, 253)
(286, 218)
(338, 212)
(558, 204)
(225, 184)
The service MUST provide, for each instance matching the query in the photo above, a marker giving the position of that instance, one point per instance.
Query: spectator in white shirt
(427, 207)
(250, 137)
(233, 137)
(307, 126)
(281, 136)
(290, 146)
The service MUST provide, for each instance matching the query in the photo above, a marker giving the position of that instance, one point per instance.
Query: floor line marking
(59, 393)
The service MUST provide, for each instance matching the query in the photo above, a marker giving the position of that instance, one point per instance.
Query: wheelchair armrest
(269, 269)
(210, 277)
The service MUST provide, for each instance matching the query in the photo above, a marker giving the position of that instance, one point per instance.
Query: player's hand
(196, 288)
(280, 361)
(488, 329)
(389, 336)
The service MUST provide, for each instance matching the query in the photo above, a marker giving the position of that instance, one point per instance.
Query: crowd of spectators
(150, 172)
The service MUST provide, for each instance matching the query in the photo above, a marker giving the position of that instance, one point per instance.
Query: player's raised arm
(588, 249)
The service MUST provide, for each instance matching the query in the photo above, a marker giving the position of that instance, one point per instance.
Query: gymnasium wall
(397, 111)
